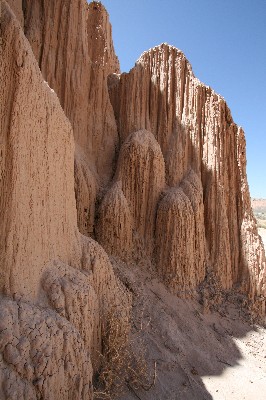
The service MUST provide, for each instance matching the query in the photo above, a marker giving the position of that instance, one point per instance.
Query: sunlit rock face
(57, 287)
(147, 167)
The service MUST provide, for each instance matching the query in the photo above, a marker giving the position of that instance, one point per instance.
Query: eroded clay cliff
(195, 131)
(37, 198)
(57, 287)
(148, 163)
(75, 57)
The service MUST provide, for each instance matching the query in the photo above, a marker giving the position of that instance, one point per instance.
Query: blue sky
(224, 40)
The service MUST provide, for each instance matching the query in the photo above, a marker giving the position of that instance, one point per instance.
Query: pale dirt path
(247, 379)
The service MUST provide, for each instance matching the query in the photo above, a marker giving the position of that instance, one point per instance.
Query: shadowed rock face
(195, 131)
(157, 176)
(180, 237)
(115, 225)
(142, 173)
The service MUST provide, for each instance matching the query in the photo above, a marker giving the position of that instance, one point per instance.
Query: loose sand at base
(247, 379)
(200, 355)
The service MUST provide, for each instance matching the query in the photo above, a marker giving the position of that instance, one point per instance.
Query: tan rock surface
(86, 188)
(175, 238)
(111, 293)
(141, 170)
(191, 123)
(38, 213)
(42, 355)
(180, 254)
(159, 178)
(192, 187)
(252, 249)
(194, 128)
(75, 58)
(115, 225)
(71, 295)
(16, 7)
(161, 95)
(85, 296)
(55, 315)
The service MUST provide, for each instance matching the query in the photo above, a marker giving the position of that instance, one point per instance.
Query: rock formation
(37, 201)
(142, 173)
(57, 287)
(148, 163)
(75, 58)
(115, 226)
(180, 238)
(42, 355)
(195, 131)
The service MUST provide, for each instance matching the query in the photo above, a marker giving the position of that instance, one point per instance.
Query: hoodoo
(105, 175)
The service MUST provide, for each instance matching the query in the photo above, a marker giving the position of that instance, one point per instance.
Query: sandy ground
(247, 379)
(199, 354)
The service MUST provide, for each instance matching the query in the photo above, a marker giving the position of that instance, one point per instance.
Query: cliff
(149, 164)
(37, 201)
(57, 287)
(75, 58)
(204, 155)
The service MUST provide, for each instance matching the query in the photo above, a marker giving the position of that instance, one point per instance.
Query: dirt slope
(199, 354)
